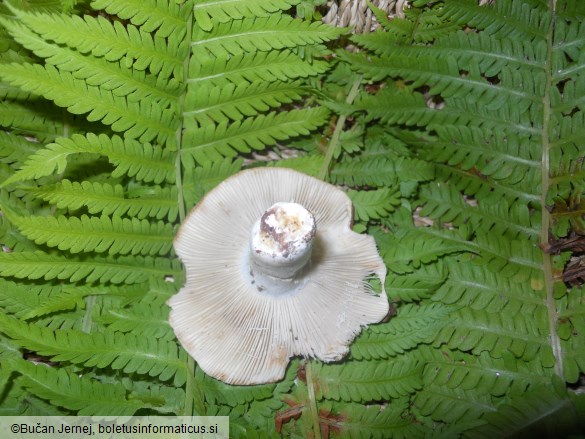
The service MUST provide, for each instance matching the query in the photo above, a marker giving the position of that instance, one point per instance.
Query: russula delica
(273, 270)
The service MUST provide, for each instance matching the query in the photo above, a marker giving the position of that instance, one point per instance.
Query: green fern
(140, 202)
(151, 164)
(376, 172)
(37, 265)
(455, 130)
(496, 111)
(373, 204)
(151, 15)
(81, 395)
(545, 411)
(258, 67)
(250, 35)
(376, 421)
(64, 300)
(88, 216)
(414, 325)
(362, 381)
(208, 13)
(214, 142)
(116, 235)
(132, 354)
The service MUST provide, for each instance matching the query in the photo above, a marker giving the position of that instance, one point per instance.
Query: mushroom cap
(238, 332)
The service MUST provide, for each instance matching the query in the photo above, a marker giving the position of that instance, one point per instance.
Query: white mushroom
(273, 271)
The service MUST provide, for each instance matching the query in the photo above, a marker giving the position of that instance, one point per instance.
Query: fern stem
(194, 403)
(334, 142)
(546, 216)
(87, 323)
(194, 400)
(312, 401)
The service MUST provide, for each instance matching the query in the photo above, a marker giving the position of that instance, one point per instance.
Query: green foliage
(412, 326)
(144, 163)
(490, 102)
(139, 202)
(376, 421)
(83, 396)
(207, 12)
(363, 381)
(455, 130)
(373, 204)
(88, 215)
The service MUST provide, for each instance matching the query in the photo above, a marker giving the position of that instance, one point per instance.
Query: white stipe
(282, 240)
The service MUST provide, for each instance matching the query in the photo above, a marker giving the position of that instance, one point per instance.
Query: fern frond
(481, 373)
(419, 284)
(447, 81)
(568, 178)
(253, 34)
(235, 101)
(162, 399)
(571, 326)
(124, 269)
(510, 258)
(474, 184)
(145, 163)
(143, 120)
(121, 80)
(568, 216)
(15, 149)
(33, 119)
(214, 142)
(266, 407)
(20, 402)
(201, 179)
(162, 16)
(82, 394)
(377, 422)
(234, 396)
(517, 20)
(113, 235)
(463, 112)
(412, 326)
(143, 202)
(478, 331)
(132, 354)
(269, 66)
(442, 201)
(20, 299)
(483, 289)
(11, 205)
(412, 110)
(505, 158)
(310, 164)
(12, 239)
(68, 298)
(374, 204)
(496, 53)
(381, 172)
(362, 381)
(404, 251)
(451, 405)
(383, 20)
(209, 12)
(545, 411)
(111, 40)
(139, 319)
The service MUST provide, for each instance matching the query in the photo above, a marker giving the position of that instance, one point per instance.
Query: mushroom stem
(282, 240)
